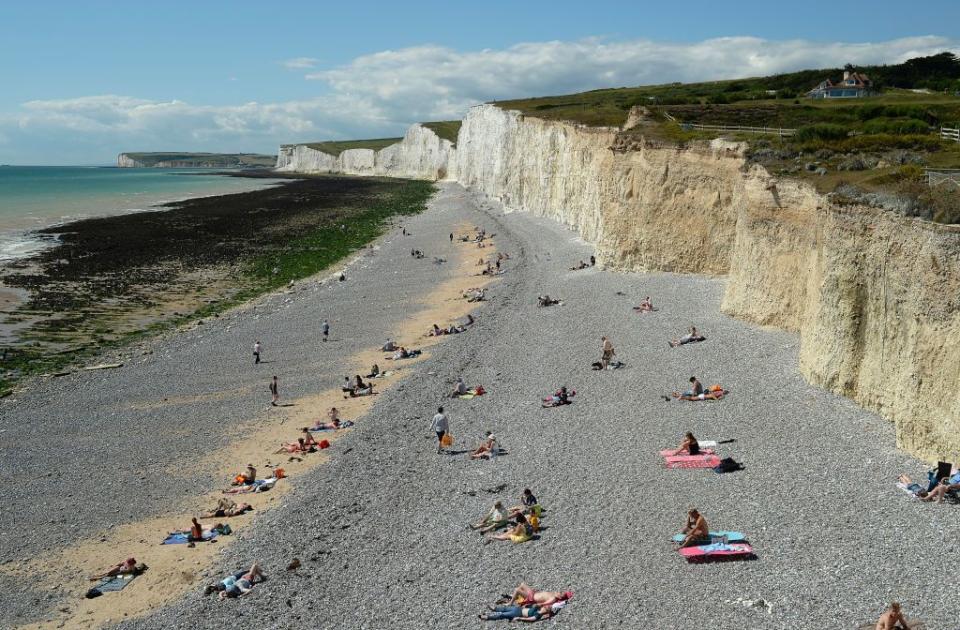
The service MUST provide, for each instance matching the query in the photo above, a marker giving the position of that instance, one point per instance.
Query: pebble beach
(381, 525)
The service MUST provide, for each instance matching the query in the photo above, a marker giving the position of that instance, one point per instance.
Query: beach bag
(279, 473)
(446, 440)
(324, 444)
(728, 464)
(480, 391)
(715, 388)
(239, 480)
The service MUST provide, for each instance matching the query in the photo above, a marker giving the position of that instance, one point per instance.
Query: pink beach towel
(692, 461)
(669, 452)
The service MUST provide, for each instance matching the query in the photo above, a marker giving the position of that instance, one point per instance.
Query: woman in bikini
(690, 446)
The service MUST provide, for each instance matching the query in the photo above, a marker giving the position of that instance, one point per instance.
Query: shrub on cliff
(896, 126)
(824, 131)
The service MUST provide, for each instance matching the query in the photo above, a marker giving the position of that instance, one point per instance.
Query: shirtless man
(645, 307)
(692, 336)
(892, 618)
(696, 529)
(524, 594)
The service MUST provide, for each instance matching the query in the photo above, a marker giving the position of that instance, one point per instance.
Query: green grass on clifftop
(336, 147)
(445, 129)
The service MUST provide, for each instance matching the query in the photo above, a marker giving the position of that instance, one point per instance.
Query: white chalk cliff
(874, 296)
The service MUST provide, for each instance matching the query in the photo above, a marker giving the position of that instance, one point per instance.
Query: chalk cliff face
(420, 155)
(874, 296)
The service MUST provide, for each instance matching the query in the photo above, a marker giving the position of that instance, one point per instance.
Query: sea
(35, 197)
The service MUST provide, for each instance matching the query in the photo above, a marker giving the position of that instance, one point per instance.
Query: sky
(81, 82)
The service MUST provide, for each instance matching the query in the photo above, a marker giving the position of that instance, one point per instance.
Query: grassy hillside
(336, 147)
(446, 129)
(208, 160)
(609, 107)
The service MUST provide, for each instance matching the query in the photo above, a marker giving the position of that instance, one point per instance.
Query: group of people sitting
(527, 604)
(356, 387)
(942, 483)
(583, 265)
(522, 521)
(416, 253)
(546, 300)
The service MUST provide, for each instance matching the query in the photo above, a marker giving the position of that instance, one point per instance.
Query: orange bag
(239, 479)
(279, 473)
(446, 440)
(324, 444)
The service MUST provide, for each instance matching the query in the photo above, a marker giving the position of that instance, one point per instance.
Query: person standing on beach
(607, 352)
(440, 426)
(326, 329)
(256, 352)
(451, 237)
(274, 391)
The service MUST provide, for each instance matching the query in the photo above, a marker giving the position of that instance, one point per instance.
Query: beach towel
(716, 551)
(113, 584)
(180, 538)
(669, 452)
(346, 424)
(691, 461)
(716, 537)
(913, 488)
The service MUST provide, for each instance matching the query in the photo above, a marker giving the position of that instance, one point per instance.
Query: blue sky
(85, 80)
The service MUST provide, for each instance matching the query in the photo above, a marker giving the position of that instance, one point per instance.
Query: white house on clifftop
(854, 85)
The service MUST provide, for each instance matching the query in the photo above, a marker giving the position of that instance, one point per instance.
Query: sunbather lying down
(697, 392)
(546, 300)
(452, 329)
(226, 508)
(524, 595)
(403, 353)
(692, 337)
(562, 397)
(127, 567)
(237, 584)
(475, 294)
(260, 485)
(597, 366)
(579, 266)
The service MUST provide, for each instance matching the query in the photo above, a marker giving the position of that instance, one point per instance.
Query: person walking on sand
(274, 391)
(451, 237)
(256, 352)
(440, 426)
(326, 329)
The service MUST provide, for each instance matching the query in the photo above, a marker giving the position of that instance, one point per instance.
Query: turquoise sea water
(33, 197)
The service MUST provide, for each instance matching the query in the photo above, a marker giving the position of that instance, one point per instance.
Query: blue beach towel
(180, 538)
(116, 583)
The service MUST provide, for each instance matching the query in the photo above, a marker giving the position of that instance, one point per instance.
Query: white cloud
(300, 63)
(379, 94)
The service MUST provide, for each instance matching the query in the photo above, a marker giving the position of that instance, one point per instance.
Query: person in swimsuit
(518, 613)
(524, 595)
(892, 618)
(528, 503)
(690, 446)
(274, 392)
(520, 532)
(247, 477)
(237, 584)
(127, 567)
(226, 507)
(487, 449)
(696, 529)
(688, 338)
(607, 352)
